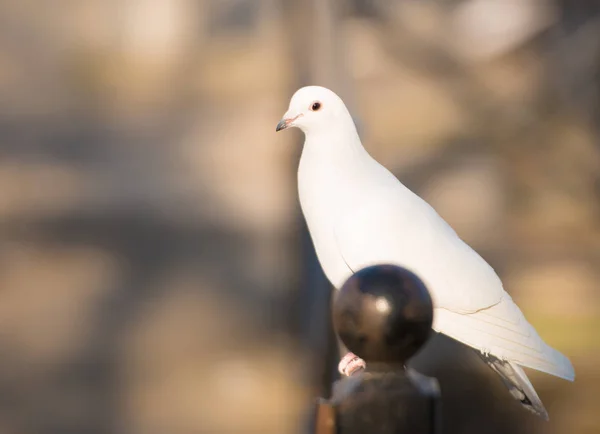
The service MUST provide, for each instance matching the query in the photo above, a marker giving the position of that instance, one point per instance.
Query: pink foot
(351, 364)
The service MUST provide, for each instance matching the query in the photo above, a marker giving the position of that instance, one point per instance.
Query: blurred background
(155, 272)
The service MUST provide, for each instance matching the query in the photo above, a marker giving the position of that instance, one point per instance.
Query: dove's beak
(282, 125)
(286, 121)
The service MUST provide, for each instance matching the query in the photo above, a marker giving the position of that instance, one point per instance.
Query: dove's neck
(331, 147)
(332, 170)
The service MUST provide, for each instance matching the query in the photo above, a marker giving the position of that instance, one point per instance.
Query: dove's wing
(471, 304)
(405, 230)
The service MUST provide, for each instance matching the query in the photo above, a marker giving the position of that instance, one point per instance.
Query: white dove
(359, 214)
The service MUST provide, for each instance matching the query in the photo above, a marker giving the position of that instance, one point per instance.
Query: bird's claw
(351, 364)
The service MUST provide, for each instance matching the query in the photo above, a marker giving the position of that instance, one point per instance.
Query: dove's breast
(321, 207)
(328, 192)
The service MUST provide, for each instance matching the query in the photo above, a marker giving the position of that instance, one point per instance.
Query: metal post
(383, 314)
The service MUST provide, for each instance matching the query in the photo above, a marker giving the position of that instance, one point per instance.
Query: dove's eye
(316, 106)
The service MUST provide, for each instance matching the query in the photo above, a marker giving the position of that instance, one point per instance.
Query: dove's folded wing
(408, 232)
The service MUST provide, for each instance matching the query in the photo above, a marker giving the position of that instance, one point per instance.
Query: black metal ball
(383, 314)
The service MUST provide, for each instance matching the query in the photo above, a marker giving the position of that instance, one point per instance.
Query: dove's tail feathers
(503, 331)
(518, 384)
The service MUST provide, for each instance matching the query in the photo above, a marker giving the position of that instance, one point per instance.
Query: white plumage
(359, 214)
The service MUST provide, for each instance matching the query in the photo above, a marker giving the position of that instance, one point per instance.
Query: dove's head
(314, 109)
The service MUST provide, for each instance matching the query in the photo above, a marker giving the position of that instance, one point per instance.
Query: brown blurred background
(156, 276)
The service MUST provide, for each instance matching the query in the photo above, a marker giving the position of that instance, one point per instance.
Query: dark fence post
(383, 314)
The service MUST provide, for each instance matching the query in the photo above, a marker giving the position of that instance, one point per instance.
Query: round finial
(383, 313)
